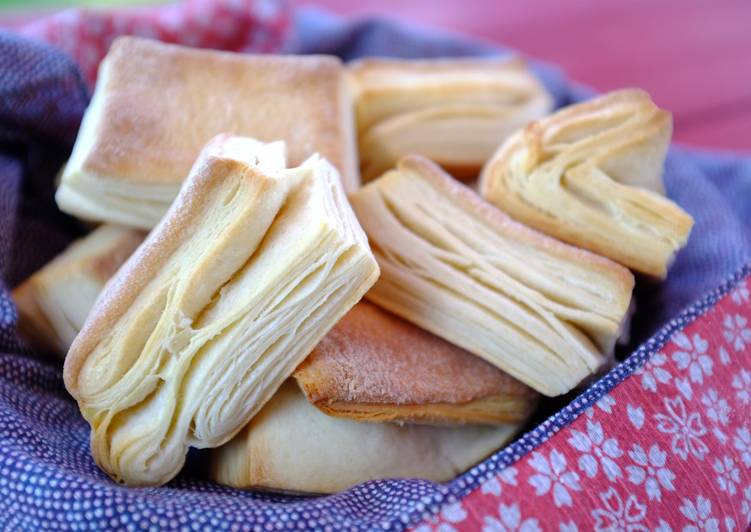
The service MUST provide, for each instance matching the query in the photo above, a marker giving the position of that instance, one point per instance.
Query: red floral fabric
(668, 449)
(235, 25)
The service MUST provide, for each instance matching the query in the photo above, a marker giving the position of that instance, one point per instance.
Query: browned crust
(163, 102)
(122, 291)
(491, 215)
(488, 410)
(463, 172)
(374, 365)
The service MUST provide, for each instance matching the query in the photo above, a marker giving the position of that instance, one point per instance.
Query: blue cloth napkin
(47, 477)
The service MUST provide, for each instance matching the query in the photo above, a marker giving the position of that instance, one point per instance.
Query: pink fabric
(237, 25)
(668, 449)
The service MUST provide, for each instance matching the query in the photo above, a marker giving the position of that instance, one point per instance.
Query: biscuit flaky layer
(453, 111)
(591, 175)
(543, 311)
(292, 446)
(53, 303)
(375, 366)
(246, 272)
(155, 105)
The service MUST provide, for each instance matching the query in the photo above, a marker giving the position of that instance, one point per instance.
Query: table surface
(692, 56)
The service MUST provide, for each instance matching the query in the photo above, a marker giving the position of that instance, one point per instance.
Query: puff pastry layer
(292, 446)
(454, 111)
(375, 366)
(246, 272)
(543, 311)
(155, 105)
(53, 303)
(591, 175)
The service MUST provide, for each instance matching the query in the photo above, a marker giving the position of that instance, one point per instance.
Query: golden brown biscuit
(54, 302)
(375, 366)
(246, 272)
(543, 311)
(292, 446)
(591, 175)
(155, 106)
(453, 111)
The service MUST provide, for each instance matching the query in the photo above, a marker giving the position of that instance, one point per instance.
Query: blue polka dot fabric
(47, 477)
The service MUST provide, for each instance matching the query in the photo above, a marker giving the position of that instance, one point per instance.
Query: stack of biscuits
(244, 292)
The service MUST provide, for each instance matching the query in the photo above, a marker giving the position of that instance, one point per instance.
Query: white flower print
(692, 355)
(717, 408)
(736, 331)
(729, 524)
(684, 387)
(686, 429)
(718, 412)
(724, 356)
(742, 383)
(605, 403)
(740, 295)
(617, 515)
(653, 373)
(454, 513)
(742, 443)
(552, 473)
(569, 526)
(699, 513)
(510, 519)
(746, 504)
(650, 470)
(728, 475)
(635, 415)
(663, 527)
(494, 486)
(719, 435)
(451, 514)
(597, 450)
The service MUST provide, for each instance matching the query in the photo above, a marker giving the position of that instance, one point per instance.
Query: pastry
(246, 272)
(454, 111)
(155, 105)
(54, 302)
(375, 366)
(591, 175)
(292, 446)
(545, 312)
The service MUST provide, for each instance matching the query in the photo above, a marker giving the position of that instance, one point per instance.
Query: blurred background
(692, 56)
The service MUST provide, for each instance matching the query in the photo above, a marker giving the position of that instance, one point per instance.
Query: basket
(663, 441)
